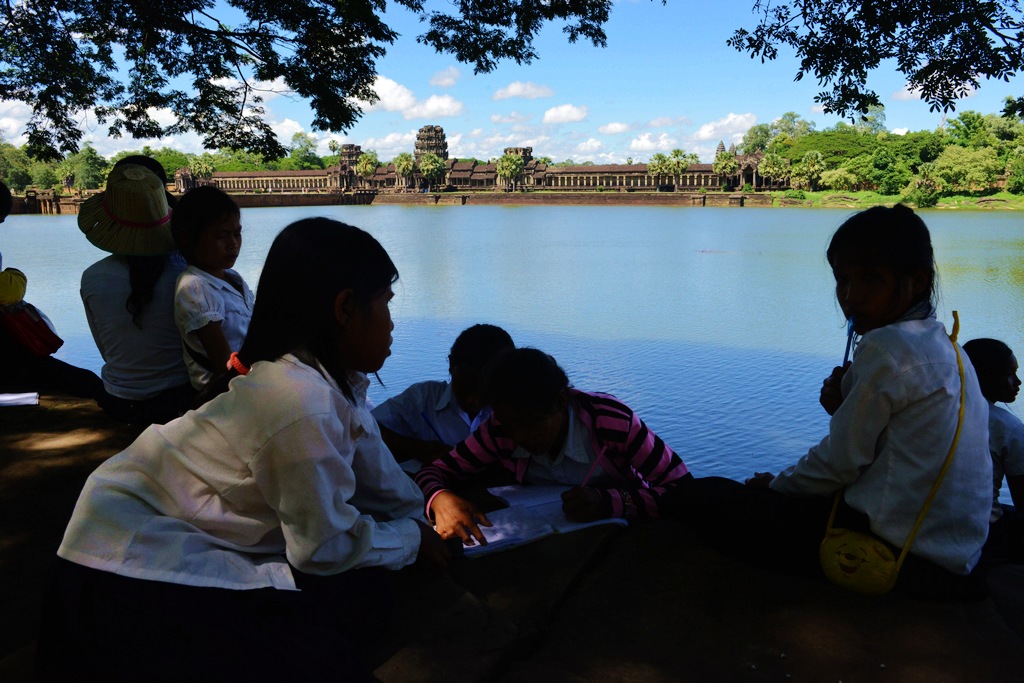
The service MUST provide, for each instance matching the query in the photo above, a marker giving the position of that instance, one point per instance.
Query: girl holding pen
(543, 431)
(895, 405)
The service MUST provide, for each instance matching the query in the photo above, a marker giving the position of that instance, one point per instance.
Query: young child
(426, 420)
(997, 374)
(888, 436)
(187, 548)
(212, 303)
(542, 430)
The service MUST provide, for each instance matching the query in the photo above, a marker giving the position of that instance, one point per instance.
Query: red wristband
(236, 364)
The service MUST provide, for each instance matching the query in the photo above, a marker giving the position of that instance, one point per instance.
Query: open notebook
(533, 513)
(25, 399)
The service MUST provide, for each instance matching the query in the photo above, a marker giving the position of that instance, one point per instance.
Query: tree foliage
(1015, 174)
(725, 164)
(303, 156)
(773, 166)
(673, 164)
(509, 167)
(943, 47)
(959, 169)
(88, 168)
(208, 64)
(432, 168)
(405, 166)
(367, 163)
(838, 179)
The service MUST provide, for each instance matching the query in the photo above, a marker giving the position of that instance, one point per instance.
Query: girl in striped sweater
(542, 431)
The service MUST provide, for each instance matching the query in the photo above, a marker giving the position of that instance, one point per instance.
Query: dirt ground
(645, 604)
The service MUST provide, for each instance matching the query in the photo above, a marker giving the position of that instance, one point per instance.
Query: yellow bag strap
(945, 465)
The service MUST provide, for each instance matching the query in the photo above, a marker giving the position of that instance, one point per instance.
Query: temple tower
(431, 139)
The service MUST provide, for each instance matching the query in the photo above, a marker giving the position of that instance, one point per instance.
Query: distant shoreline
(826, 200)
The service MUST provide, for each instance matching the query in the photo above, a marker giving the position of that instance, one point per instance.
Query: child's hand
(832, 391)
(582, 504)
(457, 517)
(433, 551)
(429, 451)
(760, 480)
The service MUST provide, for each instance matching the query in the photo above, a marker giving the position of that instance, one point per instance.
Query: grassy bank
(830, 199)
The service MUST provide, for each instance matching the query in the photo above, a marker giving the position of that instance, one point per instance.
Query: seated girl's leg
(756, 525)
(101, 626)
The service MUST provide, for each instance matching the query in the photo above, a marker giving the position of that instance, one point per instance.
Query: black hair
(524, 378)
(893, 238)
(990, 358)
(6, 201)
(477, 345)
(143, 273)
(309, 263)
(153, 165)
(199, 209)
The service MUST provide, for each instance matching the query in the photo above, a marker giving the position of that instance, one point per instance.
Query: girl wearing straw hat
(129, 298)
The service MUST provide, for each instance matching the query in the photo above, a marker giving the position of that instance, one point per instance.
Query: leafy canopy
(943, 47)
(151, 69)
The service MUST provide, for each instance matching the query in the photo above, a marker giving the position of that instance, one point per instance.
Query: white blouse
(280, 469)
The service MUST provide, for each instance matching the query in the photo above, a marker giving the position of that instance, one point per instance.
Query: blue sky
(665, 80)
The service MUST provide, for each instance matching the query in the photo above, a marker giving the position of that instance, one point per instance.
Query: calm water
(716, 325)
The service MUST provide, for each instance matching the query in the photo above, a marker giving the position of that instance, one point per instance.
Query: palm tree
(726, 166)
(404, 166)
(432, 168)
(814, 164)
(508, 169)
(367, 163)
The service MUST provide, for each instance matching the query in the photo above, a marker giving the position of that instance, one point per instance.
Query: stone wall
(574, 199)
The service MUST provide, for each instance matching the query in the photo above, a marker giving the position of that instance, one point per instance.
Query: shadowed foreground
(644, 604)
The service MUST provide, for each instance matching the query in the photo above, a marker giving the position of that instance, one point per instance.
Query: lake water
(715, 325)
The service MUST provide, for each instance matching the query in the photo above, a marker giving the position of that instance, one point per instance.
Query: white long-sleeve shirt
(888, 440)
(281, 466)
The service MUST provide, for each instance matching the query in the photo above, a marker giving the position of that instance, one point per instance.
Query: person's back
(140, 360)
(129, 297)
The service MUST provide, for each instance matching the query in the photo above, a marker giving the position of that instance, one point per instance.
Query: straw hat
(130, 217)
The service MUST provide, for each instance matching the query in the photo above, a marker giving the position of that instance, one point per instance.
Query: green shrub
(747, 187)
(794, 194)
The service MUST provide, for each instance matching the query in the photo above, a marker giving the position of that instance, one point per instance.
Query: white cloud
(285, 129)
(14, 116)
(435, 106)
(513, 117)
(524, 89)
(908, 93)
(817, 109)
(268, 90)
(476, 132)
(645, 143)
(391, 144)
(590, 146)
(900, 131)
(666, 121)
(905, 93)
(393, 96)
(446, 78)
(322, 148)
(613, 128)
(730, 126)
(565, 113)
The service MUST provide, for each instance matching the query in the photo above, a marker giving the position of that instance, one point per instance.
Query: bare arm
(215, 344)
(410, 448)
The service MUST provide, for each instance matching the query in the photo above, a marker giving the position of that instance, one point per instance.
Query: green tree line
(968, 155)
